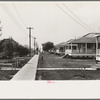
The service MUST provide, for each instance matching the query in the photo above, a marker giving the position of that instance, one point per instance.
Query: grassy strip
(68, 75)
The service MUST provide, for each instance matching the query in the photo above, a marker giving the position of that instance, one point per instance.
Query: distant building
(60, 48)
(69, 47)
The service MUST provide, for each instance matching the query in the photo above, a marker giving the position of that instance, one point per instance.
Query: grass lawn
(8, 74)
(54, 61)
(68, 75)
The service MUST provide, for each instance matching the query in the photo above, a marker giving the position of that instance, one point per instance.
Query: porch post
(96, 45)
(65, 49)
(86, 47)
(77, 48)
(71, 47)
(68, 46)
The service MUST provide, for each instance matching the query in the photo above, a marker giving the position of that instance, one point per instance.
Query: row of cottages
(81, 47)
(59, 48)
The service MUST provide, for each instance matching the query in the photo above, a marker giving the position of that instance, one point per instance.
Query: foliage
(10, 48)
(47, 46)
(22, 51)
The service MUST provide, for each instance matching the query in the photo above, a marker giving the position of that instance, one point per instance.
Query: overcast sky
(52, 21)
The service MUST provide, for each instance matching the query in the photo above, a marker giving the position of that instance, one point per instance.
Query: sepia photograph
(49, 49)
(49, 41)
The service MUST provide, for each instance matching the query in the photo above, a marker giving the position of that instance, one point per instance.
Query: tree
(47, 46)
(22, 51)
(10, 48)
(7, 48)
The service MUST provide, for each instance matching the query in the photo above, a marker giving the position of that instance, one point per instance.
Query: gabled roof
(88, 38)
(97, 35)
(69, 41)
(85, 40)
(59, 45)
(62, 44)
(91, 35)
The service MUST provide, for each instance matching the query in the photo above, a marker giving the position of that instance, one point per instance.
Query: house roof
(62, 44)
(88, 38)
(85, 40)
(91, 35)
(69, 41)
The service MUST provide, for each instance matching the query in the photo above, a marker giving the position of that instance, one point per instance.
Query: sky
(52, 21)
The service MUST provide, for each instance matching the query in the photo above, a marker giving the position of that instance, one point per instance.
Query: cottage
(60, 48)
(82, 47)
(98, 48)
(69, 47)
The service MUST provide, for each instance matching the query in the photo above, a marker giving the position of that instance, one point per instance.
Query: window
(74, 47)
(98, 45)
(66, 47)
(89, 45)
(61, 49)
(69, 47)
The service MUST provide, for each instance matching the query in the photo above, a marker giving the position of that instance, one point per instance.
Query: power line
(11, 16)
(18, 14)
(78, 17)
(5, 8)
(21, 18)
(72, 17)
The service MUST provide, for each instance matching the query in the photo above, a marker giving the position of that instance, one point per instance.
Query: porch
(80, 48)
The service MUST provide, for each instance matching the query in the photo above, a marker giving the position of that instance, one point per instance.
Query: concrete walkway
(10, 68)
(66, 69)
(28, 72)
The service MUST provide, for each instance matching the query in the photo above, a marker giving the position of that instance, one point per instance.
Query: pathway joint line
(66, 69)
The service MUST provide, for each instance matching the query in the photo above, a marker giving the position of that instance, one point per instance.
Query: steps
(96, 66)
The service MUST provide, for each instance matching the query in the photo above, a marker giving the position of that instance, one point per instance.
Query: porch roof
(60, 45)
(91, 35)
(85, 40)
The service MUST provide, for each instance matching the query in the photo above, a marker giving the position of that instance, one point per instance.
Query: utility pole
(34, 44)
(30, 40)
